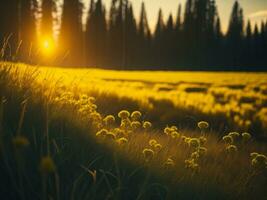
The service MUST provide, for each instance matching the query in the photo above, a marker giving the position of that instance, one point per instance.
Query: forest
(115, 38)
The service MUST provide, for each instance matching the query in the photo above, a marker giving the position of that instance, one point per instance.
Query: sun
(47, 46)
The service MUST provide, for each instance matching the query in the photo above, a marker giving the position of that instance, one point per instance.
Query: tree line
(117, 39)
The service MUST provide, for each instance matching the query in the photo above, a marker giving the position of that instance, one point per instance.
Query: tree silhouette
(8, 28)
(130, 37)
(168, 46)
(96, 34)
(194, 41)
(27, 29)
(158, 40)
(235, 36)
(144, 37)
(116, 33)
(71, 35)
(48, 7)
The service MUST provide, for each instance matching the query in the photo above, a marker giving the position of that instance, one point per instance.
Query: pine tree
(158, 40)
(89, 35)
(248, 45)
(130, 37)
(71, 36)
(96, 34)
(27, 29)
(8, 28)
(169, 46)
(178, 24)
(144, 35)
(48, 7)
(116, 34)
(235, 36)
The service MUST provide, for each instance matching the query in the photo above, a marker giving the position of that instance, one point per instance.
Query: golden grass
(239, 97)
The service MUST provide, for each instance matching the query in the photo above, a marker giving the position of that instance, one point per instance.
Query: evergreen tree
(27, 29)
(116, 36)
(188, 36)
(169, 46)
(248, 45)
(71, 37)
(8, 28)
(178, 24)
(144, 35)
(158, 41)
(235, 36)
(96, 34)
(178, 48)
(131, 37)
(48, 7)
(89, 35)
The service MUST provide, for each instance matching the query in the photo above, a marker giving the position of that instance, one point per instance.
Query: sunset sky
(256, 10)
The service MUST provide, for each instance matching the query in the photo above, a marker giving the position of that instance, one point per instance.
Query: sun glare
(47, 46)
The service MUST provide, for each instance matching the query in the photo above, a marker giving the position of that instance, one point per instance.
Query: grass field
(235, 100)
(98, 134)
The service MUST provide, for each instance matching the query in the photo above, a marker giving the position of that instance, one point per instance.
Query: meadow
(103, 134)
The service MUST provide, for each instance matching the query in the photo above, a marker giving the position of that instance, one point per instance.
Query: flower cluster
(155, 145)
(197, 153)
(258, 161)
(172, 132)
(129, 125)
(84, 104)
(232, 139)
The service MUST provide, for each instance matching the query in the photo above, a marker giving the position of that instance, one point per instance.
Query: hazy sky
(256, 10)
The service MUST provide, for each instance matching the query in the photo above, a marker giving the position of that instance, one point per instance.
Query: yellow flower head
(47, 165)
(20, 142)
(202, 151)
(91, 99)
(168, 130)
(202, 140)
(136, 125)
(169, 163)
(189, 163)
(109, 120)
(152, 142)
(175, 134)
(102, 132)
(246, 136)
(125, 123)
(184, 138)
(259, 161)
(111, 135)
(95, 116)
(195, 155)
(147, 125)
(194, 142)
(234, 135)
(122, 141)
(148, 154)
(119, 133)
(228, 139)
(174, 128)
(254, 155)
(203, 125)
(158, 147)
(136, 115)
(231, 149)
(123, 114)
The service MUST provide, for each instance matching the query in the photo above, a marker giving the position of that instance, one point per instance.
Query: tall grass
(50, 149)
